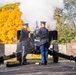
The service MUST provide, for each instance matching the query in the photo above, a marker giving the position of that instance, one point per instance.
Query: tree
(66, 34)
(69, 13)
(66, 22)
(10, 23)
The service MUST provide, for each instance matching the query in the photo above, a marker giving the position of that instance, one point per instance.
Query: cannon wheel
(55, 52)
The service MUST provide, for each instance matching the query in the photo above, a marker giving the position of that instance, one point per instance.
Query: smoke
(38, 10)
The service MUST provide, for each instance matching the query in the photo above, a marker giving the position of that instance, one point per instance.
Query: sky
(37, 10)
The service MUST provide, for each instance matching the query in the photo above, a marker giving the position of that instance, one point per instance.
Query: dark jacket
(23, 34)
(43, 33)
(24, 41)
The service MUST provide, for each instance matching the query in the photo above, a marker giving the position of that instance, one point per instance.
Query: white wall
(10, 48)
(62, 49)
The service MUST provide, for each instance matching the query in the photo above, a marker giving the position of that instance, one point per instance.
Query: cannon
(34, 40)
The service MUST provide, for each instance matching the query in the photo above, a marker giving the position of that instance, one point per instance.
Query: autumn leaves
(10, 23)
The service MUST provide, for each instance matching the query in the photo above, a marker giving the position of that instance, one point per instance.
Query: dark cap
(26, 24)
(43, 22)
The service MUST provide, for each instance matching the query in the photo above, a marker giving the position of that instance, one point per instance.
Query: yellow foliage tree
(10, 23)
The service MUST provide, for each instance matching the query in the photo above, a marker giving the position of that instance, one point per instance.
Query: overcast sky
(3, 2)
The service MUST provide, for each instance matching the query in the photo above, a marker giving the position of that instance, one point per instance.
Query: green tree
(65, 34)
(69, 13)
(66, 22)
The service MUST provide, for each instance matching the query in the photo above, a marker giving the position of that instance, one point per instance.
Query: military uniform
(24, 43)
(43, 33)
(24, 40)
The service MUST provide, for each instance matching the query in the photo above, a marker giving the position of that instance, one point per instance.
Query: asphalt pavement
(64, 67)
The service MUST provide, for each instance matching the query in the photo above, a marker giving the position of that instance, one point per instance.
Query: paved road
(61, 68)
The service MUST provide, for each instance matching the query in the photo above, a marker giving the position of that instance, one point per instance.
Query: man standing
(24, 32)
(24, 42)
(43, 33)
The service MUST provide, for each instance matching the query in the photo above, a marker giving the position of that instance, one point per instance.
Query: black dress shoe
(45, 64)
(42, 64)
(25, 63)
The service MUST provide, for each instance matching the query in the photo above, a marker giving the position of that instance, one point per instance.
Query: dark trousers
(24, 58)
(44, 53)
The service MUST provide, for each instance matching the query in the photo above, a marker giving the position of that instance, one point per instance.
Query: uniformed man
(24, 32)
(24, 42)
(43, 33)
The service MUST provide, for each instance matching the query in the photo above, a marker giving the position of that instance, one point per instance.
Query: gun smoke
(37, 10)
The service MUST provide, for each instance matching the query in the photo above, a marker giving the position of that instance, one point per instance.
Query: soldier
(24, 32)
(43, 33)
(24, 42)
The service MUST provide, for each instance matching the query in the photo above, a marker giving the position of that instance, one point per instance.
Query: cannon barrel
(3, 58)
